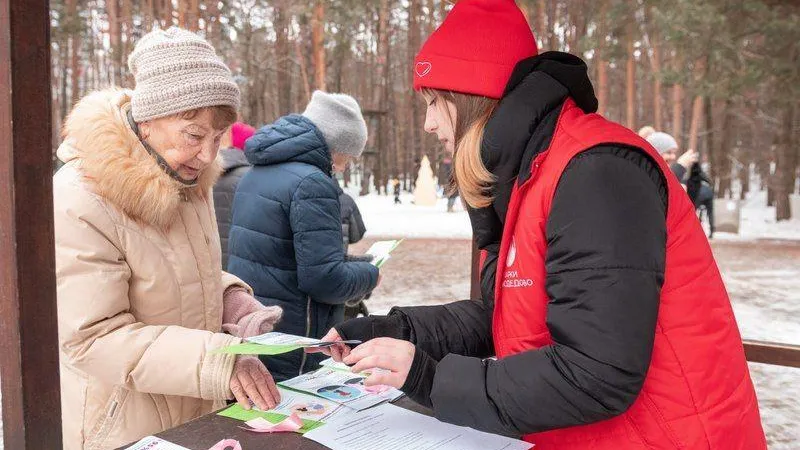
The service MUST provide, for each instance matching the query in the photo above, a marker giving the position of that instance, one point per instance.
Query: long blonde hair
(471, 177)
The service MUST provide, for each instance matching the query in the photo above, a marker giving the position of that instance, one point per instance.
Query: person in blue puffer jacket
(286, 234)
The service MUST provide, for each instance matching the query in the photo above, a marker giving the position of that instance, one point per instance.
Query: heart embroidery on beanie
(423, 68)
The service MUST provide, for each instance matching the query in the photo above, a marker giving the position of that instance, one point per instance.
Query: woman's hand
(252, 381)
(336, 351)
(393, 356)
(689, 158)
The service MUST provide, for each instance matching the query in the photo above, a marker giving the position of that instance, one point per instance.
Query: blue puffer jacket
(286, 236)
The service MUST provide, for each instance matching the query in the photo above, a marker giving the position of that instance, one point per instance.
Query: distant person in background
(234, 166)
(286, 234)
(646, 131)
(451, 200)
(445, 175)
(396, 189)
(688, 171)
(353, 228)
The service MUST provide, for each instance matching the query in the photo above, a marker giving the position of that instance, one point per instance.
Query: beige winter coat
(140, 285)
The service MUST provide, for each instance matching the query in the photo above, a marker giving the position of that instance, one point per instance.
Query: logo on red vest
(512, 278)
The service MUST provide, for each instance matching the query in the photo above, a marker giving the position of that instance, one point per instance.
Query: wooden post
(28, 328)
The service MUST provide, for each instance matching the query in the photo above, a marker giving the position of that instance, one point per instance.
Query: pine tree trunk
(414, 44)
(724, 185)
(711, 148)
(283, 75)
(115, 35)
(303, 70)
(75, 44)
(677, 102)
(318, 40)
(630, 91)
(194, 15)
(381, 93)
(541, 22)
(430, 22)
(697, 111)
(600, 60)
(147, 15)
(183, 13)
(786, 164)
(213, 24)
(700, 70)
(744, 181)
(167, 13)
(127, 20)
(658, 121)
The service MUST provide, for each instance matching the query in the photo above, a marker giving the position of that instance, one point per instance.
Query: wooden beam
(787, 355)
(28, 327)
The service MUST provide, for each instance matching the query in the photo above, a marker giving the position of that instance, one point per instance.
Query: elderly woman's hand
(251, 381)
(244, 316)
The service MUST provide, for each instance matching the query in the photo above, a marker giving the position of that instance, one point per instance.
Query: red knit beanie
(475, 49)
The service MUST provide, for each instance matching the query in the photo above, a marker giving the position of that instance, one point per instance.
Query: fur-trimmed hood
(116, 164)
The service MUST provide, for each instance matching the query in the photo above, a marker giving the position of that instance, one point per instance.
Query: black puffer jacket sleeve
(605, 264)
(464, 328)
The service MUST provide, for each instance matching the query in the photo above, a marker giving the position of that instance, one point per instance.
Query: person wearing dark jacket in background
(353, 228)
(286, 234)
(688, 171)
(601, 298)
(234, 166)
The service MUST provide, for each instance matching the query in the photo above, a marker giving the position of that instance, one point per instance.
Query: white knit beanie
(662, 142)
(338, 117)
(176, 71)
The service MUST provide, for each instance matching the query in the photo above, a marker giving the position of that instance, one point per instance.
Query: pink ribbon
(227, 443)
(377, 389)
(260, 425)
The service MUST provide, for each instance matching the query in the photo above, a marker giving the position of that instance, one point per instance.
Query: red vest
(697, 393)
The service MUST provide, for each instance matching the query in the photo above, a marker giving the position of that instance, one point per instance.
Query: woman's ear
(144, 130)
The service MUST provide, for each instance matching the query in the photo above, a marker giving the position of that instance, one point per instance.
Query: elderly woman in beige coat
(142, 298)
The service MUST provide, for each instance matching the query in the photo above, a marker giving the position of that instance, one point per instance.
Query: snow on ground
(758, 221)
(385, 219)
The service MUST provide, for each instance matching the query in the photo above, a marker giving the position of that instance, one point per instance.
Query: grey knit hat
(176, 71)
(338, 117)
(662, 142)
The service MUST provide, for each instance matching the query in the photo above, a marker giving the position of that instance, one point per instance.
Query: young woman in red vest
(601, 298)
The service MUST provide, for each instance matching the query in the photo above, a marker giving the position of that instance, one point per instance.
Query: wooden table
(202, 433)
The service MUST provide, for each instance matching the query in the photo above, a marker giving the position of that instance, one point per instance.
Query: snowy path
(763, 280)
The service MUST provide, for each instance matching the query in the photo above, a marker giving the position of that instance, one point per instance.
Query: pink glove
(244, 316)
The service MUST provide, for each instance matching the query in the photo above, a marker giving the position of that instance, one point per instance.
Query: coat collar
(99, 139)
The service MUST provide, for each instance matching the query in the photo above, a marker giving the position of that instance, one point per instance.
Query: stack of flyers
(305, 406)
(313, 411)
(342, 387)
(389, 393)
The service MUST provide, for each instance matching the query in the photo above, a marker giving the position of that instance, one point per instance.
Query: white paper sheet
(345, 388)
(389, 427)
(154, 443)
(381, 250)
